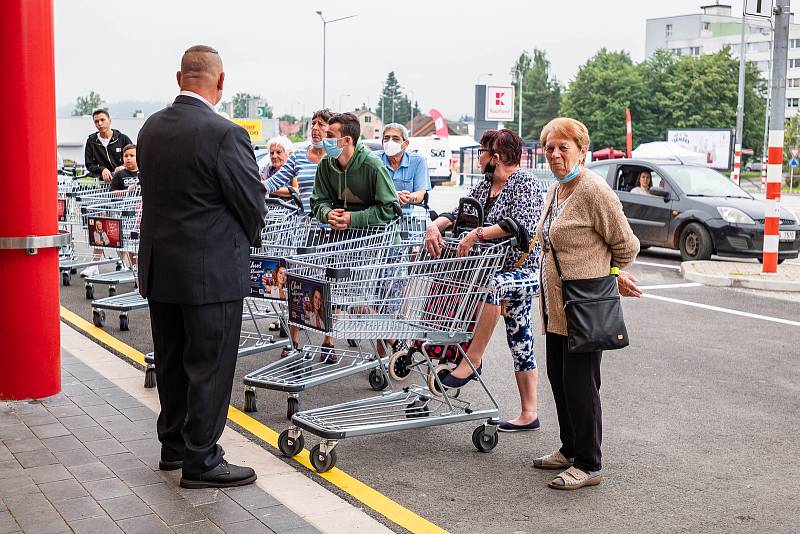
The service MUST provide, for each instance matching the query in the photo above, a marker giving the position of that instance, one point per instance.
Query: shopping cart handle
(295, 197)
(398, 211)
(433, 215)
(274, 201)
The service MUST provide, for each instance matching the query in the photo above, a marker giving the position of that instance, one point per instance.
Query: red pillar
(29, 300)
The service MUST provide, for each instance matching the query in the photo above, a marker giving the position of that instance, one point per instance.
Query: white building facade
(716, 26)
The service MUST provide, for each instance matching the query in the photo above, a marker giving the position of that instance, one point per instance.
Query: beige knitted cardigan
(590, 236)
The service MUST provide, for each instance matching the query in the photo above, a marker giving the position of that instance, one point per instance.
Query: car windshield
(704, 182)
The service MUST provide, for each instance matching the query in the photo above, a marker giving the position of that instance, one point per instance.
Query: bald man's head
(201, 72)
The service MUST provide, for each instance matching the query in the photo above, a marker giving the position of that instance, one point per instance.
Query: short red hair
(566, 127)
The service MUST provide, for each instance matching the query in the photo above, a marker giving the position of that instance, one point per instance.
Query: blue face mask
(317, 144)
(576, 170)
(331, 148)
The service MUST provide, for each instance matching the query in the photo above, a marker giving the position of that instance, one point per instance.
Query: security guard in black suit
(202, 208)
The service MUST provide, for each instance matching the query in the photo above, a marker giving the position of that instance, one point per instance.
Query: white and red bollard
(772, 219)
(737, 163)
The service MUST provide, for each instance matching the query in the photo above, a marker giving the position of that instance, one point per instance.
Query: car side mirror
(659, 192)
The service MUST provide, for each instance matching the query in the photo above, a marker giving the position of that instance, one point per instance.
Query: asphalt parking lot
(700, 423)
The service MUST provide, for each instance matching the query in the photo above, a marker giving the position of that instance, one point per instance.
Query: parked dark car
(696, 210)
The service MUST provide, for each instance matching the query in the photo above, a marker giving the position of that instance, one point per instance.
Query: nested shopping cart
(78, 254)
(414, 222)
(318, 241)
(113, 226)
(436, 300)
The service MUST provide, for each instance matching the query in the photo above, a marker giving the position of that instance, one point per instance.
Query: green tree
(86, 104)
(287, 117)
(604, 86)
(541, 94)
(393, 104)
(663, 92)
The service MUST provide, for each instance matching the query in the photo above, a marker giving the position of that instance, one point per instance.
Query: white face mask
(392, 148)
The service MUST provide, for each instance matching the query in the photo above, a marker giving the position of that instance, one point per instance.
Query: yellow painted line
(102, 336)
(367, 495)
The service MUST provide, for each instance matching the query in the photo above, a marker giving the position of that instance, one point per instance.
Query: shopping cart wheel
(150, 377)
(99, 318)
(378, 380)
(289, 446)
(400, 365)
(292, 407)
(441, 370)
(320, 461)
(89, 292)
(250, 401)
(123, 323)
(112, 291)
(65, 280)
(418, 408)
(352, 342)
(484, 439)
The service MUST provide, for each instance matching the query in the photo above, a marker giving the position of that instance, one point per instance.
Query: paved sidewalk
(742, 274)
(86, 460)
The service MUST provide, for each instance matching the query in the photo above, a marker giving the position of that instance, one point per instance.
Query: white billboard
(499, 103)
(715, 143)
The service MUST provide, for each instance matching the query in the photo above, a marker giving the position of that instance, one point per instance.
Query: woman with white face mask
(409, 171)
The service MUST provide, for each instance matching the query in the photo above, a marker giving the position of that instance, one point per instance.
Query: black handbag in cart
(593, 310)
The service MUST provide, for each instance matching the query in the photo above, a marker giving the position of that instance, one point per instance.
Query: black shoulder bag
(593, 310)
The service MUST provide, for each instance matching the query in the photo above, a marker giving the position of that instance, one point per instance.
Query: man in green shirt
(352, 187)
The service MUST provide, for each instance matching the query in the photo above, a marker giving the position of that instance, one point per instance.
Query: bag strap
(550, 228)
(524, 256)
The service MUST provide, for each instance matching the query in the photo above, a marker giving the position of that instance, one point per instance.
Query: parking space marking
(723, 310)
(370, 497)
(672, 286)
(662, 265)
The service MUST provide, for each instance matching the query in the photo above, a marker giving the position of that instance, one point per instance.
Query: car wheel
(695, 243)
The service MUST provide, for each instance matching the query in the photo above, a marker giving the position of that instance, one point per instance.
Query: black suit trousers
(195, 358)
(575, 381)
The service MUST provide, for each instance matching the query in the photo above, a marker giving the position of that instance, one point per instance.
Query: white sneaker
(92, 270)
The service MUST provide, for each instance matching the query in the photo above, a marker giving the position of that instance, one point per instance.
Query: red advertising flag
(628, 131)
(438, 122)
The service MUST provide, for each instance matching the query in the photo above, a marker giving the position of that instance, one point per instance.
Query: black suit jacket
(202, 205)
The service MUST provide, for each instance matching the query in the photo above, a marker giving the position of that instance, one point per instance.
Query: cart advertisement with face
(267, 278)
(309, 303)
(105, 232)
(62, 210)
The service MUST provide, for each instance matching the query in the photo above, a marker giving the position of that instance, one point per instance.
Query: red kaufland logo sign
(499, 103)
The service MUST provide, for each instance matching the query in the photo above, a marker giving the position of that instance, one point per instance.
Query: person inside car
(643, 183)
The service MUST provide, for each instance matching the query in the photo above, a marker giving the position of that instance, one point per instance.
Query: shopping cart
(113, 225)
(78, 254)
(320, 241)
(414, 222)
(440, 303)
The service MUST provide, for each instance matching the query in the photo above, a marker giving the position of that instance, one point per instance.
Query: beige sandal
(554, 460)
(574, 478)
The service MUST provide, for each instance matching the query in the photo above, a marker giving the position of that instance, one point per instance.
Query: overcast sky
(131, 50)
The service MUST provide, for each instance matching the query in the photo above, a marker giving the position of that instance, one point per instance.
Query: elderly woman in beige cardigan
(583, 221)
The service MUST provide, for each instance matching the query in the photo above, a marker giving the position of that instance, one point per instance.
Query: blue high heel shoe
(453, 382)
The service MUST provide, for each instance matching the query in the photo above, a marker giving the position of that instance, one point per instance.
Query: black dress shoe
(225, 475)
(169, 465)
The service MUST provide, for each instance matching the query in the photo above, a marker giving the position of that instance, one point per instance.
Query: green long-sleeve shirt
(363, 188)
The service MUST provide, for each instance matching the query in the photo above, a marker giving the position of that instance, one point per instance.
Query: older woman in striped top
(301, 167)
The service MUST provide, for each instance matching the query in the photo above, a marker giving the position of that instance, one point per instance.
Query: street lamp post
(519, 123)
(324, 44)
